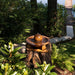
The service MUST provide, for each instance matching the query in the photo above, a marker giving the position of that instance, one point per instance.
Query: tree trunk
(36, 26)
(52, 7)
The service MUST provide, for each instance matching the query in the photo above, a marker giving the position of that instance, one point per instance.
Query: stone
(69, 31)
(59, 39)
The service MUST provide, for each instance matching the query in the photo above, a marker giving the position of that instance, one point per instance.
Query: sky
(62, 2)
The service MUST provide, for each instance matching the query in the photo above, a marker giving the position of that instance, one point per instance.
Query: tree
(52, 7)
(36, 26)
(34, 4)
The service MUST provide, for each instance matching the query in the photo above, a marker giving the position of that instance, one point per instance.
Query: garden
(23, 19)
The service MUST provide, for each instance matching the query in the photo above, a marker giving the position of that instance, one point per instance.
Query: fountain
(38, 49)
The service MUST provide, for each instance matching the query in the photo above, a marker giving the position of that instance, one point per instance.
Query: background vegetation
(17, 20)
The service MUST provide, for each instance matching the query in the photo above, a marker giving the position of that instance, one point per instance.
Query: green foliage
(11, 56)
(7, 69)
(61, 59)
(12, 63)
(17, 19)
(58, 22)
(14, 20)
(45, 69)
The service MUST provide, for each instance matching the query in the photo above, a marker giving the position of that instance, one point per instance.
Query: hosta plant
(45, 69)
(11, 56)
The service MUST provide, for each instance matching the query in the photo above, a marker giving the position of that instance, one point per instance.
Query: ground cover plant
(44, 69)
(12, 63)
(63, 55)
(11, 60)
(62, 58)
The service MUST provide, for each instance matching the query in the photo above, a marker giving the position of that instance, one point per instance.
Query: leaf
(53, 73)
(46, 66)
(14, 73)
(5, 49)
(2, 66)
(11, 16)
(27, 30)
(36, 72)
(22, 56)
(49, 69)
(3, 52)
(73, 55)
(15, 50)
(25, 72)
(1, 58)
(1, 73)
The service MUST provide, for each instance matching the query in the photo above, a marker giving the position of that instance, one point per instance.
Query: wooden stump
(37, 55)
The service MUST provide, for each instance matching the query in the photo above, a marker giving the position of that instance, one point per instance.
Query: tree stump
(37, 52)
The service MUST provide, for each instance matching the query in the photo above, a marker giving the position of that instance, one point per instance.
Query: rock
(59, 39)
